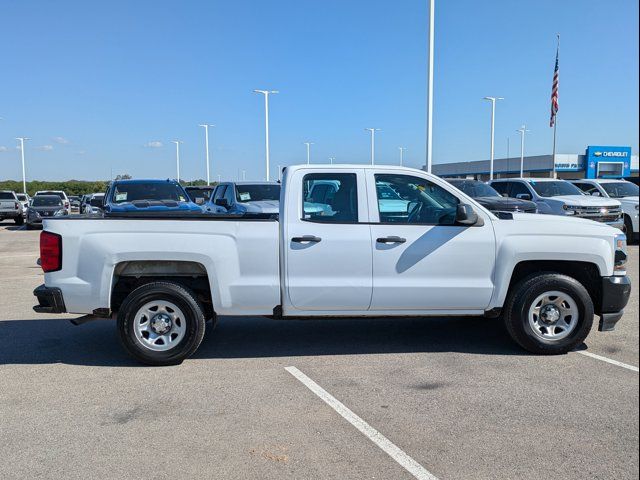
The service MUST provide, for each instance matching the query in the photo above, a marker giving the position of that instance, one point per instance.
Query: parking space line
(408, 463)
(608, 360)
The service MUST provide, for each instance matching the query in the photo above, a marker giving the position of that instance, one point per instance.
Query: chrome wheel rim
(159, 325)
(553, 315)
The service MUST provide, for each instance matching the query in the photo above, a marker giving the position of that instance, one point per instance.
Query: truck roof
(351, 166)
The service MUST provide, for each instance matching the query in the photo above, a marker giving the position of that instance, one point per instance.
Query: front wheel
(549, 314)
(161, 323)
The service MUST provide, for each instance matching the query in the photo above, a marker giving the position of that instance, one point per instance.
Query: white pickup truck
(435, 253)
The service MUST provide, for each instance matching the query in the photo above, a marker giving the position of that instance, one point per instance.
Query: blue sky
(93, 83)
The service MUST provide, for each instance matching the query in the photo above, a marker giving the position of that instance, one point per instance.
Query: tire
(628, 228)
(549, 294)
(19, 220)
(177, 310)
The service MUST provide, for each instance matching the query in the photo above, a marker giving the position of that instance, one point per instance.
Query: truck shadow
(96, 343)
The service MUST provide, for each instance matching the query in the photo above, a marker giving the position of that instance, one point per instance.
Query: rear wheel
(19, 220)
(161, 323)
(549, 313)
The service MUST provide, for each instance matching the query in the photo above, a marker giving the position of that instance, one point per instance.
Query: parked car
(625, 192)
(75, 203)
(559, 197)
(44, 206)
(245, 197)
(489, 198)
(200, 195)
(95, 204)
(545, 276)
(65, 200)
(24, 199)
(10, 207)
(133, 196)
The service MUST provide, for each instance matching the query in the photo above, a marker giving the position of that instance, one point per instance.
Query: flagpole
(555, 123)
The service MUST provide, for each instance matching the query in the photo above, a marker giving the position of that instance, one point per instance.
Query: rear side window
(518, 188)
(501, 187)
(7, 196)
(330, 197)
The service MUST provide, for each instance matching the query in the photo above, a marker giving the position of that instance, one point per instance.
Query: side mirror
(523, 196)
(505, 195)
(222, 202)
(466, 215)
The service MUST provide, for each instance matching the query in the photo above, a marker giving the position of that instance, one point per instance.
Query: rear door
(327, 246)
(422, 260)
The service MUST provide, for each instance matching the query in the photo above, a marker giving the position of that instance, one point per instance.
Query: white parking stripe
(408, 463)
(608, 360)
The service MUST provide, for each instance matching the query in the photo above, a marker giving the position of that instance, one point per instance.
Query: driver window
(414, 200)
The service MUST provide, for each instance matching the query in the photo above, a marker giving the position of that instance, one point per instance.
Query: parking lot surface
(455, 395)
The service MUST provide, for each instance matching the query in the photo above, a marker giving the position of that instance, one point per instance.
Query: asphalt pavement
(453, 395)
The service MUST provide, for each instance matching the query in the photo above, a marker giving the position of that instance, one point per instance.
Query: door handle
(392, 239)
(306, 238)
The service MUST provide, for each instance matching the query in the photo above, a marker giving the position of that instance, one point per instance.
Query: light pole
(493, 122)
(402, 149)
(24, 180)
(177, 142)
(266, 94)
(373, 143)
(308, 144)
(219, 178)
(279, 172)
(432, 8)
(244, 175)
(206, 146)
(331, 159)
(522, 130)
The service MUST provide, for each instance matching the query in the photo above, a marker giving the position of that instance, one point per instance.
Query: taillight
(50, 251)
(17, 205)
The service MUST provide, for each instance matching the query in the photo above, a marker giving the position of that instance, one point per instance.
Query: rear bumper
(50, 300)
(615, 295)
(10, 214)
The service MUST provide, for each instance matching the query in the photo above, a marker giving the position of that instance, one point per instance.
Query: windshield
(257, 193)
(476, 189)
(7, 196)
(57, 194)
(46, 201)
(620, 189)
(130, 192)
(554, 189)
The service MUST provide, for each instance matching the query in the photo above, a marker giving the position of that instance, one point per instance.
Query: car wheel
(549, 313)
(19, 220)
(161, 323)
(628, 228)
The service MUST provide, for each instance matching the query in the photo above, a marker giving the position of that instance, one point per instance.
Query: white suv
(65, 200)
(625, 192)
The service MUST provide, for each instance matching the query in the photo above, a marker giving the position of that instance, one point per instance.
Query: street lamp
(373, 143)
(308, 144)
(402, 149)
(493, 118)
(430, 86)
(331, 159)
(177, 142)
(24, 180)
(522, 130)
(266, 94)
(206, 146)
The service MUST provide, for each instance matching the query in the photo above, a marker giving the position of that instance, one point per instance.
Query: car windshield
(47, 201)
(257, 193)
(130, 192)
(555, 188)
(7, 196)
(620, 189)
(476, 189)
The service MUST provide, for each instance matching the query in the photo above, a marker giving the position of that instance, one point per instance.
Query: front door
(328, 242)
(422, 261)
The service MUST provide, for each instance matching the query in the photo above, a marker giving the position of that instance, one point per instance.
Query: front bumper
(615, 295)
(50, 300)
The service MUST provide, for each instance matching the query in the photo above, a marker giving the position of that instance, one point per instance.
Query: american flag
(554, 92)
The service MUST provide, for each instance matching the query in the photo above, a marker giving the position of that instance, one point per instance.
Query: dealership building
(596, 162)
